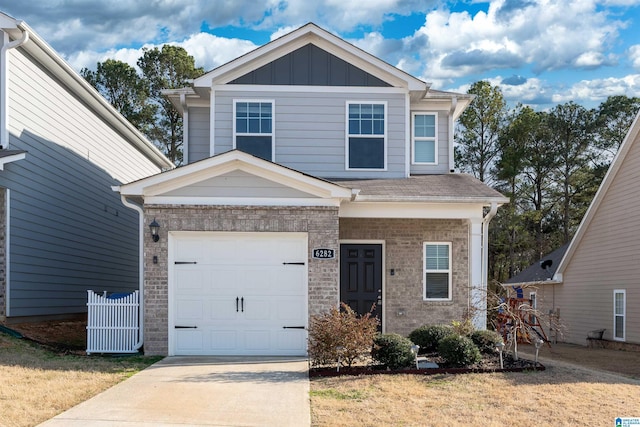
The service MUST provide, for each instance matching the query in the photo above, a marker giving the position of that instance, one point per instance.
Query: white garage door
(238, 293)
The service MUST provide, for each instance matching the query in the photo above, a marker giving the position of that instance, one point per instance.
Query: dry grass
(38, 384)
(560, 396)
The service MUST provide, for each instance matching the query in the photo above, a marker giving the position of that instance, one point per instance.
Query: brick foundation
(405, 309)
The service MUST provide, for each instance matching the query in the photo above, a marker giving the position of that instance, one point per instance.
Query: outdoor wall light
(154, 227)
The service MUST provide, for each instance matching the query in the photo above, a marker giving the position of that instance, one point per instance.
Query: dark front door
(361, 278)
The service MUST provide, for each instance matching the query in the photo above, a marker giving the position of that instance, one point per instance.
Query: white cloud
(598, 90)
(208, 51)
(634, 55)
(541, 34)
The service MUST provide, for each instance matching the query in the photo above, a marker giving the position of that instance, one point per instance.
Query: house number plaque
(322, 253)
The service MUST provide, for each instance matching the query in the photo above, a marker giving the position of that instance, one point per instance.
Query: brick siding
(321, 224)
(405, 309)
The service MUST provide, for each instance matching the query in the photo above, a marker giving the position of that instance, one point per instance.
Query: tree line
(137, 95)
(548, 163)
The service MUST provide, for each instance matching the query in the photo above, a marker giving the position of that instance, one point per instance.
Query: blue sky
(540, 52)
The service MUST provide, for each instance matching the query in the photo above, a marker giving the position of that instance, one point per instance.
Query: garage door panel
(189, 340)
(224, 281)
(224, 341)
(189, 309)
(258, 340)
(223, 309)
(289, 309)
(291, 340)
(288, 279)
(232, 269)
(189, 280)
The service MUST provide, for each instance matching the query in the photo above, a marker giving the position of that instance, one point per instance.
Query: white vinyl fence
(113, 323)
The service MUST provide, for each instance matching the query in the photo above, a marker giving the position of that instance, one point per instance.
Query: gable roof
(37, 48)
(169, 182)
(632, 137)
(542, 271)
(310, 33)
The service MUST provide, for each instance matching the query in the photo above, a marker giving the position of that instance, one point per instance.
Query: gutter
(4, 84)
(485, 243)
(137, 208)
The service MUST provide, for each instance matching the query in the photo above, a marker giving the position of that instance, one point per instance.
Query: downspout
(485, 253)
(140, 267)
(454, 104)
(4, 85)
(185, 129)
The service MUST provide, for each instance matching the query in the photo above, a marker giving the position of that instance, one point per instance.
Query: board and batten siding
(68, 230)
(310, 130)
(607, 258)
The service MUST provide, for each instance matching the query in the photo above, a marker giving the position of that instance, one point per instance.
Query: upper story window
(437, 271)
(253, 128)
(366, 135)
(424, 144)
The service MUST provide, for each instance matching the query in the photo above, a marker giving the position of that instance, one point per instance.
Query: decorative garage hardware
(293, 263)
(323, 253)
(186, 327)
(241, 304)
(186, 262)
(293, 327)
(154, 227)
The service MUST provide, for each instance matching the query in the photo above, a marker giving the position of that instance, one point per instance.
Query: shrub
(428, 336)
(459, 351)
(340, 333)
(393, 351)
(486, 340)
(464, 328)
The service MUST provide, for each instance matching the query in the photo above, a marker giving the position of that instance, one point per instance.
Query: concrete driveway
(202, 391)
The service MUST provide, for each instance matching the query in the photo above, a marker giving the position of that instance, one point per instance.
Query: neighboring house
(596, 285)
(316, 173)
(62, 147)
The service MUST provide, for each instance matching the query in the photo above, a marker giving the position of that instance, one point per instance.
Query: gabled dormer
(313, 102)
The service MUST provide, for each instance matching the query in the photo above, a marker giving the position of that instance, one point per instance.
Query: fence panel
(113, 322)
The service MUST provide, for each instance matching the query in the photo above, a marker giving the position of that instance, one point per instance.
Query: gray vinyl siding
(198, 145)
(310, 130)
(68, 231)
(238, 184)
(443, 148)
(607, 258)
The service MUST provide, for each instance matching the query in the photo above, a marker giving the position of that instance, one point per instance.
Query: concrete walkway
(202, 391)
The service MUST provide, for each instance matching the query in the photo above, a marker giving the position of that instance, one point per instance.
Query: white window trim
(414, 139)
(624, 314)
(347, 134)
(425, 271)
(273, 124)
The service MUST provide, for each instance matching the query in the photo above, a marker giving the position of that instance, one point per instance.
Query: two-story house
(62, 147)
(316, 173)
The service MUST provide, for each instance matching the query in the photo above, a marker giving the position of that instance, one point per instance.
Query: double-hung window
(437, 271)
(619, 314)
(253, 128)
(366, 135)
(424, 144)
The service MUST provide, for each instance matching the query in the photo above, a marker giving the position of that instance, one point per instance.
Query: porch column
(477, 284)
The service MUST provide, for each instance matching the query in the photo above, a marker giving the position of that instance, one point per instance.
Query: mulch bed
(489, 364)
